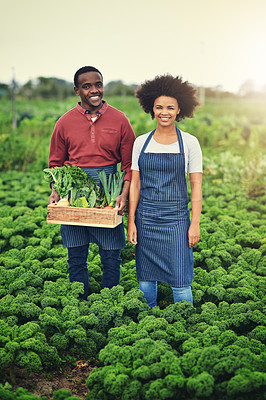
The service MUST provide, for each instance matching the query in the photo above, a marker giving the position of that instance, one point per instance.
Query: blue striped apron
(106, 238)
(163, 219)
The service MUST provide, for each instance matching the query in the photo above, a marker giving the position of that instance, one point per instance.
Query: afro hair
(167, 85)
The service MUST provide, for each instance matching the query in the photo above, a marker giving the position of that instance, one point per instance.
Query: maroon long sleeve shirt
(78, 140)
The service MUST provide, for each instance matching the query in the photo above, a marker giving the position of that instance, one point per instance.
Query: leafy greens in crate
(71, 182)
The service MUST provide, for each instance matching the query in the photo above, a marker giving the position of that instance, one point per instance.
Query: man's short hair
(83, 70)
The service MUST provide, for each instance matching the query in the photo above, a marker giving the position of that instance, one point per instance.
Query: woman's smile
(165, 119)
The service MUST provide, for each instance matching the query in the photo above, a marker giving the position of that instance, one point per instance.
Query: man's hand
(54, 198)
(121, 203)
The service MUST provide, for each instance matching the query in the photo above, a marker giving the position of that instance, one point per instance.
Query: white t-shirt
(192, 150)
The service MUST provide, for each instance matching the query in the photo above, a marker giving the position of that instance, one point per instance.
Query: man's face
(90, 90)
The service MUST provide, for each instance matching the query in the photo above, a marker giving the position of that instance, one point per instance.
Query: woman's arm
(132, 206)
(196, 204)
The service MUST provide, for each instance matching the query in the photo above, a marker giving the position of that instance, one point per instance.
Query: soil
(72, 378)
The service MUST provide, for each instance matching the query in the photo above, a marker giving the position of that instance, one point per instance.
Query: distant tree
(55, 88)
(4, 90)
(27, 90)
(48, 88)
(118, 88)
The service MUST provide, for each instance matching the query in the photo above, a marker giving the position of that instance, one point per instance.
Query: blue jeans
(149, 288)
(78, 269)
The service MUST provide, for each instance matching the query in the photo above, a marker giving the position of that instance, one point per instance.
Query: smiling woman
(158, 218)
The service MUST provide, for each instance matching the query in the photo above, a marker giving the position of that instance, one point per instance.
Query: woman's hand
(193, 235)
(132, 232)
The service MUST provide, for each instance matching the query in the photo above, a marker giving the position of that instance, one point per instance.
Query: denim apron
(106, 238)
(163, 219)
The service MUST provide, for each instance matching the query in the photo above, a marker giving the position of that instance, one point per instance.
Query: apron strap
(179, 138)
(147, 141)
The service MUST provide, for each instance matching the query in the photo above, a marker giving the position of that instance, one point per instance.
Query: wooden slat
(105, 218)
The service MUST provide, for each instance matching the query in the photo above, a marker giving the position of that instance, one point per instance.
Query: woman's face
(165, 110)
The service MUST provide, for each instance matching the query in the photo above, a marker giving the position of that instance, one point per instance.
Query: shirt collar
(84, 111)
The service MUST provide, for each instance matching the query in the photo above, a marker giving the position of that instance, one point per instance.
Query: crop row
(214, 349)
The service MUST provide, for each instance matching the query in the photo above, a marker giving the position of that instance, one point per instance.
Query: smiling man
(93, 136)
(89, 86)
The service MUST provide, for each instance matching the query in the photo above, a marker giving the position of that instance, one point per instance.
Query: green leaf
(92, 199)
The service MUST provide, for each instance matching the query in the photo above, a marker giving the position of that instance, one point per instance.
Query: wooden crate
(103, 218)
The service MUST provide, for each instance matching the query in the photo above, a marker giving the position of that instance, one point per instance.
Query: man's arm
(126, 146)
(57, 157)
(58, 148)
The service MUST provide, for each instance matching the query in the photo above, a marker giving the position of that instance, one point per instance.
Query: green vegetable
(73, 181)
(112, 187)
(81, 202)
(66, 178)
(63, 202)
(212, 350)
(92, 199)
(25, 346)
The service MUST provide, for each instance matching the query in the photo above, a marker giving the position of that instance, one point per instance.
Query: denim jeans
(78, 269)
(149, 288)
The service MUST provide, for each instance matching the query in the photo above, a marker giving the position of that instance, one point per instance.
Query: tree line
(55, 88)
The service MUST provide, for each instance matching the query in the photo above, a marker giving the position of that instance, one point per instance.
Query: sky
(211, 43)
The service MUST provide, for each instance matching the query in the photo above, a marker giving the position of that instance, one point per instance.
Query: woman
(159, 219)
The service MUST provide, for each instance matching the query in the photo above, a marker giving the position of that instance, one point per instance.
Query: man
(93, 136)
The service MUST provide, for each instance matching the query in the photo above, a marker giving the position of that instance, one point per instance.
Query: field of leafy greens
(213, 350)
